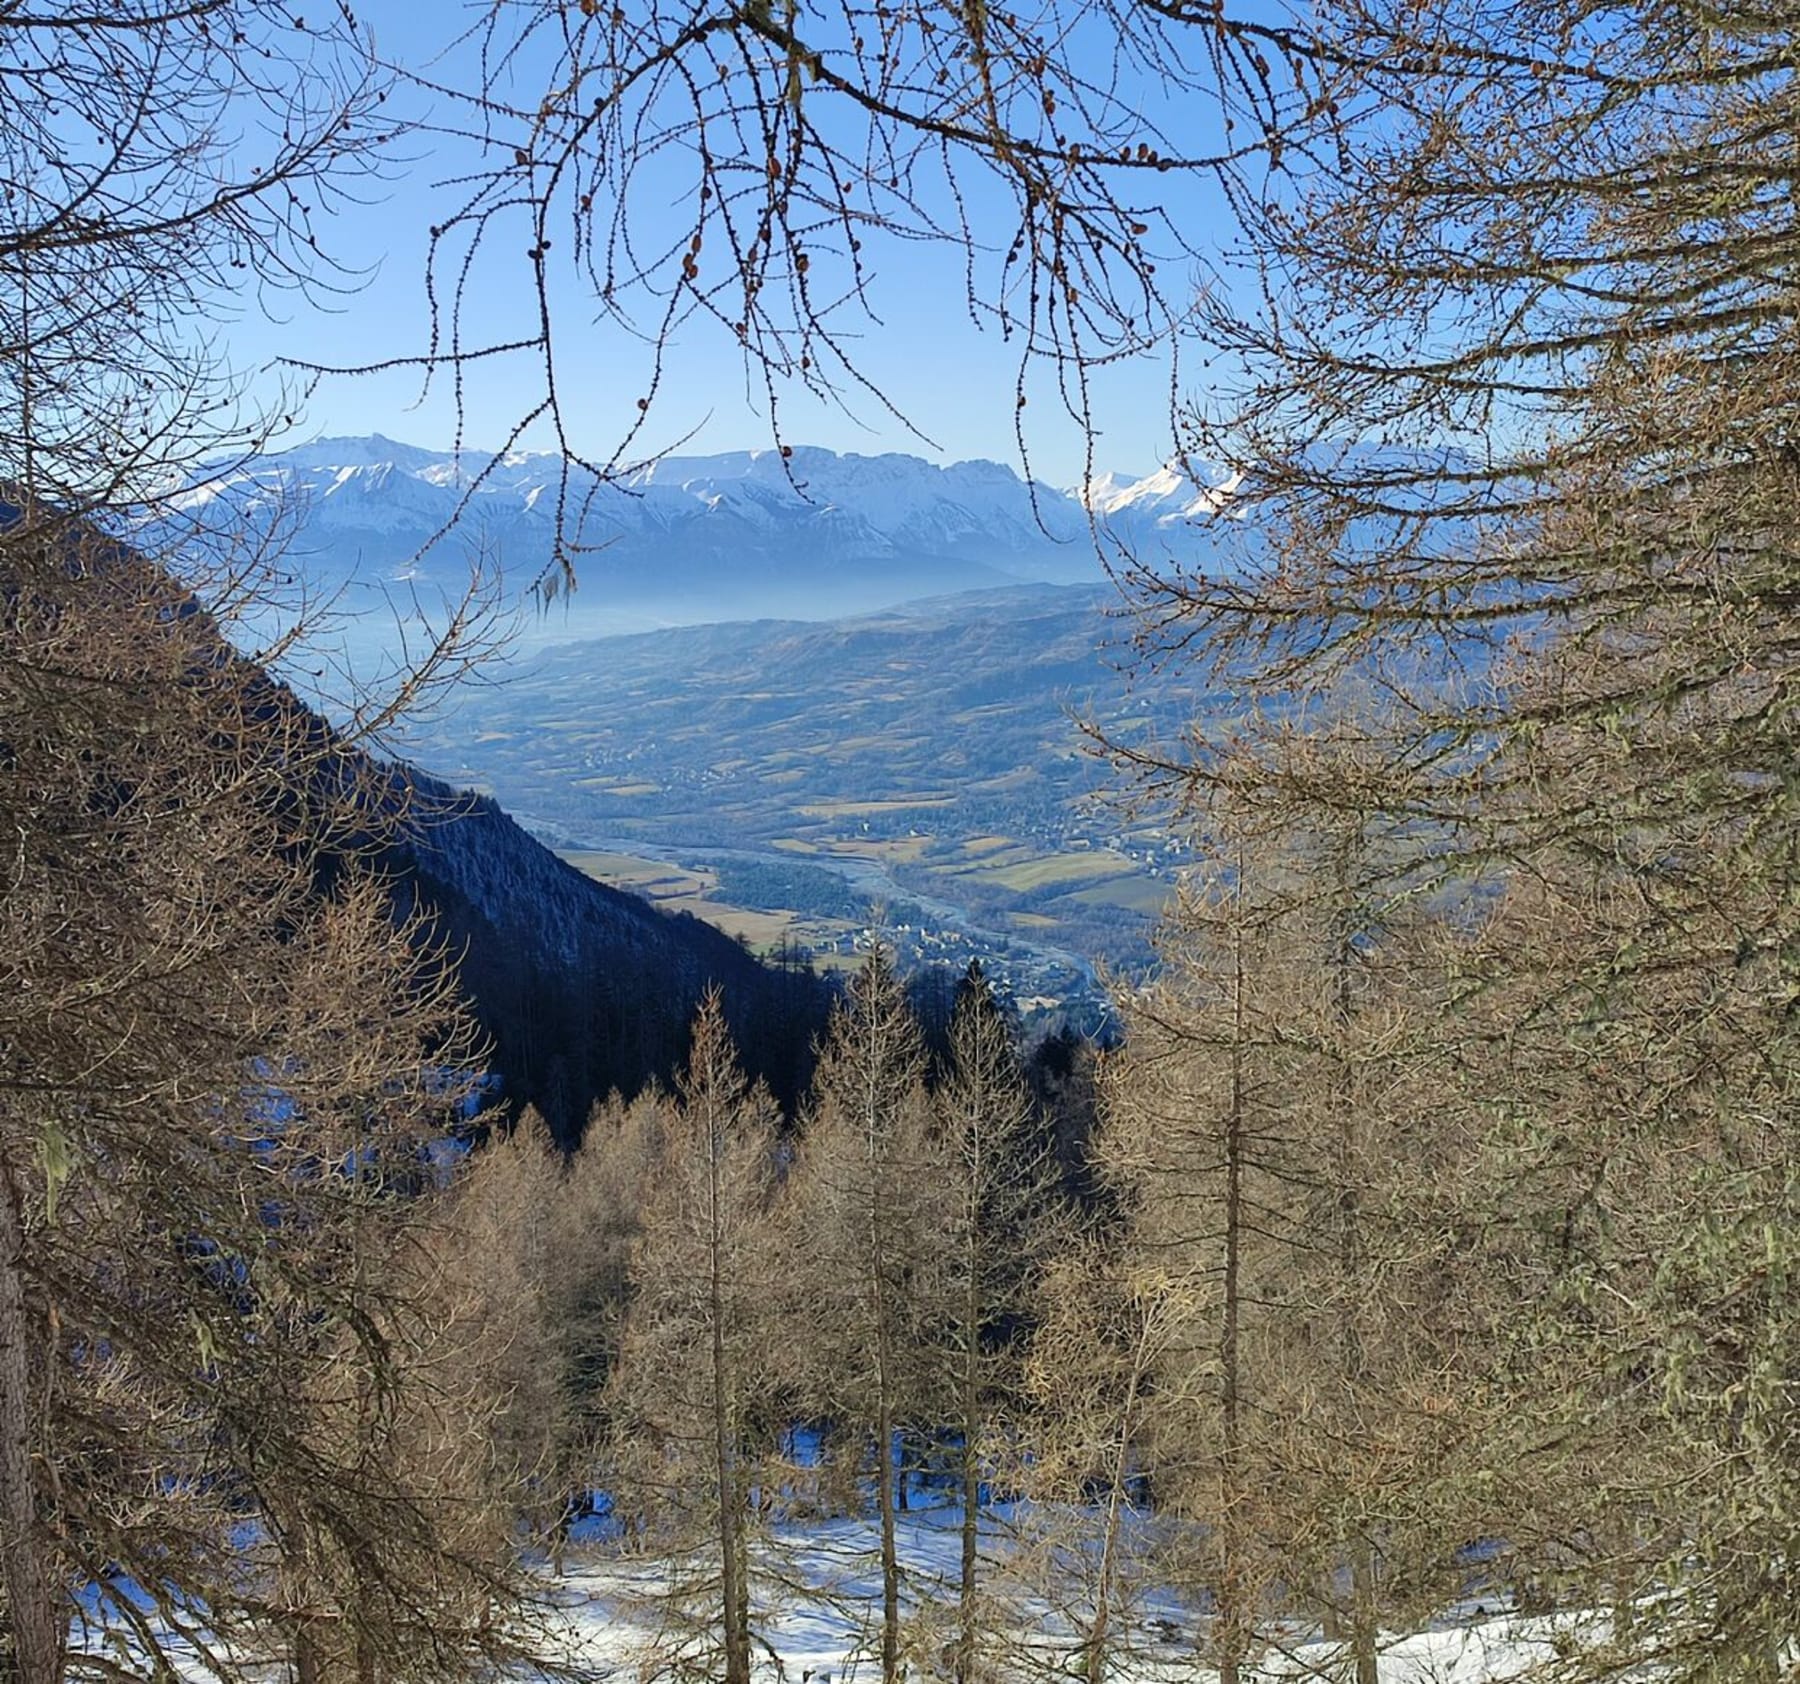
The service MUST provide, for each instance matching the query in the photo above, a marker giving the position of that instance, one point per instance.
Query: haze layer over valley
(929, 754)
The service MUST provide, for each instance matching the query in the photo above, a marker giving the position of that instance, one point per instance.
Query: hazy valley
(929, 758)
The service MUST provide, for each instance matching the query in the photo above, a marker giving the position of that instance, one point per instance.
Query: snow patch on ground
(818, 1620)
(816, 1595)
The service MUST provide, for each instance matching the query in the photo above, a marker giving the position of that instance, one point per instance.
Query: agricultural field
(677, 888)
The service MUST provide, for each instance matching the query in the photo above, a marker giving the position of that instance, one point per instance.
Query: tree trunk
(1363, 1619)
(971, 1474)
(307, 1666)
(743, 1579)
(1093, 1664)
(885, 1472)
(1364, 1615)
(1093, 1667)
(1094, 1659)
(876, 1126)
(30, 1606)
(1229, 1634)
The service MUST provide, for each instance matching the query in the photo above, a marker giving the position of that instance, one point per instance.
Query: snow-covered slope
(751, 532)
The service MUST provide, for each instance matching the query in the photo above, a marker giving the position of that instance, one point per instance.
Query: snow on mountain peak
(1172, 494)
(767, 510)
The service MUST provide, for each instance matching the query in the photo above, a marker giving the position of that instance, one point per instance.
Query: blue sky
(954, 382)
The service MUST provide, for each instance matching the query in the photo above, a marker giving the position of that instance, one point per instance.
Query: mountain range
(802, 533)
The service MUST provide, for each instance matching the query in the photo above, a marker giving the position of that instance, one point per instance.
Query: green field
(1046, 871)
(678, 888)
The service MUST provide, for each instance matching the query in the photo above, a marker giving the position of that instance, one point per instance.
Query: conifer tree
(1271, 1138)
(1106, 1320)
(503, 1234)
(1207, 1163)
(224, 1060)
(1520, 410)
(597, 1221)
(998, 1199)
(695, 1371)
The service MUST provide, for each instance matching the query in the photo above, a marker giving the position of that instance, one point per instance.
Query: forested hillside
(583, 989)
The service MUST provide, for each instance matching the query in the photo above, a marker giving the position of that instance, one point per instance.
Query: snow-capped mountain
(1168, 499)
(745, 533)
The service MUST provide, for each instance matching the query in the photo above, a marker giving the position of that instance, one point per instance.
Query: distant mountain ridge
(809, 534)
